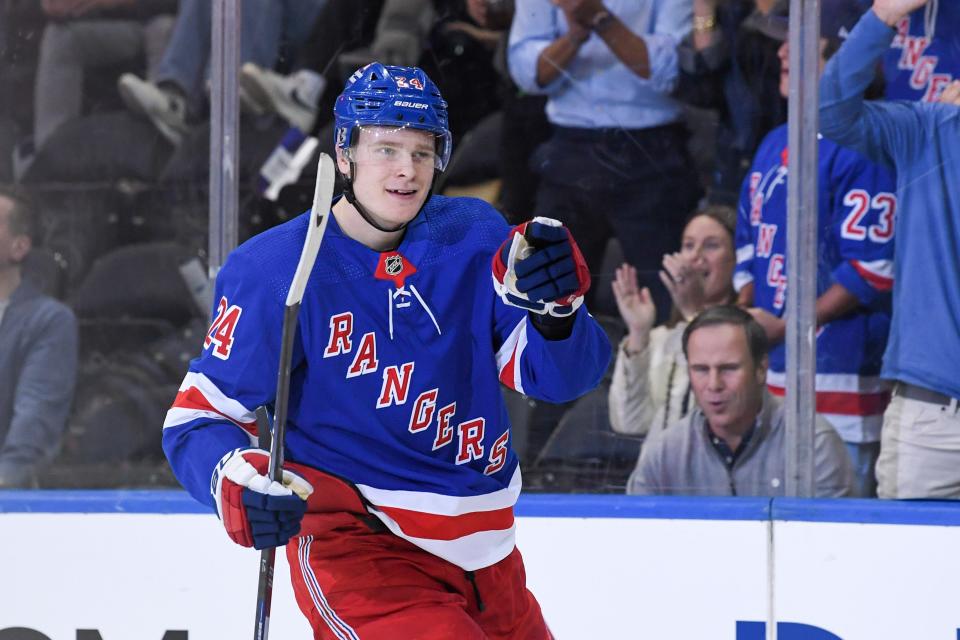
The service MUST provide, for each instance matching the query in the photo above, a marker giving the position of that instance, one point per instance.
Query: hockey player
(857, 205)
(397, 503)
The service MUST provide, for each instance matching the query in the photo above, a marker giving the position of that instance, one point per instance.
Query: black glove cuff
(552, 327)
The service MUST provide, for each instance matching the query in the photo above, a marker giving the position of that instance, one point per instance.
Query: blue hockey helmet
(391, 96)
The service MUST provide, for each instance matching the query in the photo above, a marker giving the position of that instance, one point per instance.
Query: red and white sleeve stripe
(877, 273)
(199, 398)
(508, 357)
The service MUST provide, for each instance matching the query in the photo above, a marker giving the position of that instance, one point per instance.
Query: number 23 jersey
(857, 210)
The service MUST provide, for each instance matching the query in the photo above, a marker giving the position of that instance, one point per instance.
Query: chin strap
(352, 199)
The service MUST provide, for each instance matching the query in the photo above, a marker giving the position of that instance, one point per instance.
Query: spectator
(524, 125)
(924, 56)
(617, 161)
(298, 97)
(920, 446)
(857, 206)
(460, 52)
(91, 34)
(649, 388)
(178, 80)
(38, 355)
(442, 36)
(726, 64)
(733, 442)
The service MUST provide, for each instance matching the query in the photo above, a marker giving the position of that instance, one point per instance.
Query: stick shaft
(316, 225)
(264, 593)
(282, 403)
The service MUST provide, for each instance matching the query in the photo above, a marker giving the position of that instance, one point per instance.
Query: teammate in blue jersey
(397, 503)
(857, 205)
(924, 56)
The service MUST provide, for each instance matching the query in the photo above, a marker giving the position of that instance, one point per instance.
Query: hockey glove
(256, 511)
(539, 268)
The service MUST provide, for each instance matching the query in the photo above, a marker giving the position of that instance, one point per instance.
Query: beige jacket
(650, 389)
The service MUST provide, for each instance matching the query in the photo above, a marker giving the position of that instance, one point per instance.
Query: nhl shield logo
(393, 265)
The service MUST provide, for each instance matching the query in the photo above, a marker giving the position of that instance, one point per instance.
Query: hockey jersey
(924, 57)
(395, 383)
(857, 205)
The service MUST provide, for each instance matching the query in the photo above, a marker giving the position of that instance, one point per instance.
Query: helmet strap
(352, 199)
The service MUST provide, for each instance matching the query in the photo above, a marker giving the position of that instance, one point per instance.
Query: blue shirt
(38, 369)
(597, 90)
(922, 141)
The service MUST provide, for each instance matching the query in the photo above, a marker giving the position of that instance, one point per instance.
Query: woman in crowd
(649, 388)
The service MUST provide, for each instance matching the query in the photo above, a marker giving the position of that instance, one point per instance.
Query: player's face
(727, 384)
(784, 54)
(708, 247)
(394, 170)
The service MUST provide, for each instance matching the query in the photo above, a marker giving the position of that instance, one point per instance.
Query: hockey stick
(319, 215)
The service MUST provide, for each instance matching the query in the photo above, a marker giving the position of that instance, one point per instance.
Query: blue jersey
(396, 374)
(857, 206)
(924, 57)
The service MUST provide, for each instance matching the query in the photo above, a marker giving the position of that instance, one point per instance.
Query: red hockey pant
(352, 582)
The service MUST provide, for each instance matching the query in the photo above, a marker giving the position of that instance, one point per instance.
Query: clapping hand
(580, 10)
(579, 15)
(636, 305)
(684, 283)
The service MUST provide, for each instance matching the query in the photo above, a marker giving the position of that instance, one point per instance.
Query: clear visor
(399, 145)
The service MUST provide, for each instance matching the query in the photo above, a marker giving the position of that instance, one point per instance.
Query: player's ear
(342, 163)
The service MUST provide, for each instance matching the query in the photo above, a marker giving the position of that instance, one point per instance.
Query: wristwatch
(704, 23)
(600, 21)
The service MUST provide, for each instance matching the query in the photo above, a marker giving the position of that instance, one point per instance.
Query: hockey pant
(354, 579)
